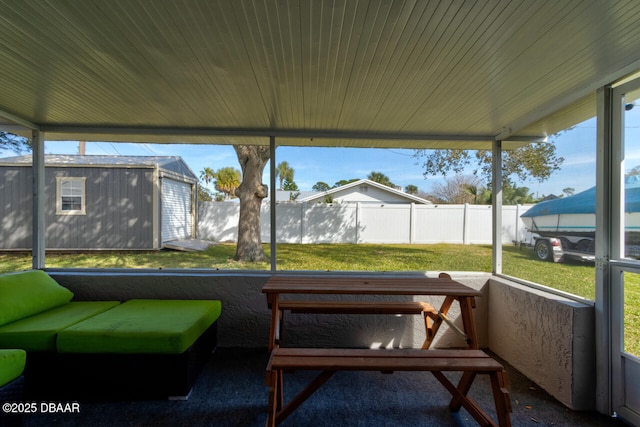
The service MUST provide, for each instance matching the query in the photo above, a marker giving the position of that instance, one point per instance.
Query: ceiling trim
(282, 133)
(15, 120)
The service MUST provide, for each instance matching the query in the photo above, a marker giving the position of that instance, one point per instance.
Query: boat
(574, 217)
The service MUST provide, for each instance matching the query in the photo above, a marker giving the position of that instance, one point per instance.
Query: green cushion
(27, 293)
(38, 332)
(142, 326)
(11, 365)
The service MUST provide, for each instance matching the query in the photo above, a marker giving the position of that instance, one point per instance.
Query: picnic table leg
(274, 331)
(466, 310)
(433, 330)
(499, 384)
(461, 395)
(463, 387)
(274, 391)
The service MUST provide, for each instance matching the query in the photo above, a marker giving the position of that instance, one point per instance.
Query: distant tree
(344, 182)
(411, 189)
(321, 186)
(512, 195)
(227, 179)
(380, 178)
(204, 195)
(481, 195)
(284, 172)
(455, 190)
(569, 191)
(14, 143)
(535, 160)
(207, 175)
(290, 185)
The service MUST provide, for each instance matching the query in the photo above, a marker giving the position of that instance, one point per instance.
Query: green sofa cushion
(38, 332)
(27, 293)
(142, 326)
(12, 364)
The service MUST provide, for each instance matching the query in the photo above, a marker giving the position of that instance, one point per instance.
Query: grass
(572, 277)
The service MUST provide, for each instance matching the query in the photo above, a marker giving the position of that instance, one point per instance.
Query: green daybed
(12, 363)
(104, 349)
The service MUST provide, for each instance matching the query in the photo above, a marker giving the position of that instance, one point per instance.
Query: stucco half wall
(548, 338)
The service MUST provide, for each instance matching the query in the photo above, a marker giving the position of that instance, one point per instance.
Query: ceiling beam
(15, 120)
(282, 133)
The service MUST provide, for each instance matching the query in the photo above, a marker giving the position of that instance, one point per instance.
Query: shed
(100, 202)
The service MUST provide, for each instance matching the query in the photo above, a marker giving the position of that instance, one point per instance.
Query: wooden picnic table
(470, 362)
(310, 285)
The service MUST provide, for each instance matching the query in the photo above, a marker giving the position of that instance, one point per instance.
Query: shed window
(70, 196)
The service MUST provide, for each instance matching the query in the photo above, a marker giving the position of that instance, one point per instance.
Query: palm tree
(411, 189)
(227, 180)
(380, 178)
(207, 175)
(284, 172)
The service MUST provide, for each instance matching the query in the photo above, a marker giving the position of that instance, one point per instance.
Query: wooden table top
(367, 286)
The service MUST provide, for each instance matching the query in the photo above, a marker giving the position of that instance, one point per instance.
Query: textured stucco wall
(245, 317)
(550, 339)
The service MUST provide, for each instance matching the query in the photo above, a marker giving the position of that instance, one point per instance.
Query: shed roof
(377, 73)
(173, 164)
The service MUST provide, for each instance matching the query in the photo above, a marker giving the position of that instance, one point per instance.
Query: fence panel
(367, 223)
(439, 224)
(478, 224)
(384, 223)
(329, 223)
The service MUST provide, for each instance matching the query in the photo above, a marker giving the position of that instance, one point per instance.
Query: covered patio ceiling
(377, 73)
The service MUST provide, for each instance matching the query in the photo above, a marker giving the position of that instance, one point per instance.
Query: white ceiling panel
(367, 73)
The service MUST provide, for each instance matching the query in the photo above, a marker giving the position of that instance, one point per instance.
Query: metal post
(604, 159)
(272, 183)
(38, 209)
(497, 207)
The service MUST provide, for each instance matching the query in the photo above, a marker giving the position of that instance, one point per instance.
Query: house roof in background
(319, 196)
(173, 164)
(334, 191)
(435, 74)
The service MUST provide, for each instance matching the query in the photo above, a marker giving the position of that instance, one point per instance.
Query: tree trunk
(251, 191)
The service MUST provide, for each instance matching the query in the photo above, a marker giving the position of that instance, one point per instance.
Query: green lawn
(573, 277)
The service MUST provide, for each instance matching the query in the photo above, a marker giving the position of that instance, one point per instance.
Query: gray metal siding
(15, 208)
(119, 209)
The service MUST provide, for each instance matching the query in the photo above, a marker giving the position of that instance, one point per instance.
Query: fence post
(517, 224)
(465, 225)
(302, 209)
(412, 227)
(357, 222)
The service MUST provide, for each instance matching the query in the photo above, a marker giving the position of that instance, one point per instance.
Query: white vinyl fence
(366, 223)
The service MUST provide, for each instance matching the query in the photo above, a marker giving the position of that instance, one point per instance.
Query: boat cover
(585, 202)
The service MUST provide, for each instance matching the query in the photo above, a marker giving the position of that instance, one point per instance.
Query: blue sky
(577, 146)
(313, 164)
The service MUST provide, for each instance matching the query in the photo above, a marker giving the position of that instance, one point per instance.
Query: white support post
(604, 161)
(497, 207)
(39, 226)
(272, 183)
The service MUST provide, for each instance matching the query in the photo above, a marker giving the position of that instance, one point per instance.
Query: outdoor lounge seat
(103, 349)
(12, 363)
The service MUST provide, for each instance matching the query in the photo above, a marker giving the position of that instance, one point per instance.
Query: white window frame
(59, 181)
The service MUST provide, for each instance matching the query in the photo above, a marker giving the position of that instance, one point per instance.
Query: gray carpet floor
(231, 391)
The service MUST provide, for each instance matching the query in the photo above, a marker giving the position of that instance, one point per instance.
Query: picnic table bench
(331, 360)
